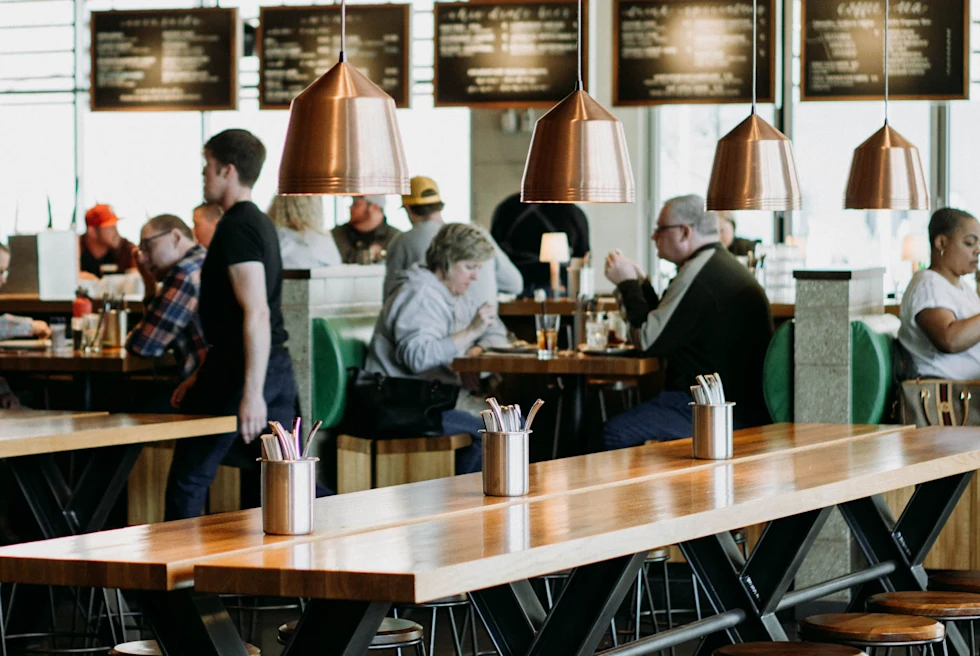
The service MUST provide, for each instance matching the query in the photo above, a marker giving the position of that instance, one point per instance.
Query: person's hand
(178, 396)
(85, 275)
(252, 415)
(482, 319)
(40, 329)
(620, 268)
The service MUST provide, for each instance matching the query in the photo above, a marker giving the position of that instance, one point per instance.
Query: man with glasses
(713, 317)
(170, 262)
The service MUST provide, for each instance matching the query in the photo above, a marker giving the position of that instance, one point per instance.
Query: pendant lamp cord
(579, 85)
(755, 47)
(343, 30)
(887, 13)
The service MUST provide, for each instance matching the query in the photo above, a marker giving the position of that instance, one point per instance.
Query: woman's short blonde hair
(457, 242)
(299, 213)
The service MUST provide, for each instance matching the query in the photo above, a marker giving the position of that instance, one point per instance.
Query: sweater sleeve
(639, 299)
(421, 334)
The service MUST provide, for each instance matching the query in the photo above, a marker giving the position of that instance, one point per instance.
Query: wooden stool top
(955, 579)
(392, 633)
(151, 648)
(658, 555)
(788, 649)
(871, 628)
(938, 605)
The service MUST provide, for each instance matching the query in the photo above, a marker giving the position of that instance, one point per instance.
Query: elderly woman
(299, 224)
(941, 310)
(429, 320)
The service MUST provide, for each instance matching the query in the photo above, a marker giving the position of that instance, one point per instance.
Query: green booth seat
(871, 373)
(338, 343)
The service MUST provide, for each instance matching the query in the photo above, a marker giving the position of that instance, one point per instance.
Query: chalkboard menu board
(506, 53)
(171, 59)
(299, 44)
(691, 51)
(843, 56)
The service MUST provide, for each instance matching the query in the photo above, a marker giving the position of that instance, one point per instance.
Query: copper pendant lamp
(343, 136)
(578, 152)
(886, 171)
(754, 167)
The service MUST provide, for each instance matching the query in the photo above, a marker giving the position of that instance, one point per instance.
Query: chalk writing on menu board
(172, 59)
(299, 44)
(843, 56)
(691, 51)
(513, 54)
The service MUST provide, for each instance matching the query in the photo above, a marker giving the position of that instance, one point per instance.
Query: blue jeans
(664, 418)
(468, 459)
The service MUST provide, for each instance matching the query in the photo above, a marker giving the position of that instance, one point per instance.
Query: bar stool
(938, 605)
(393, 634)
(787, 649)
(450, 605)
(151, 648)
(874, 630)
(955, 580)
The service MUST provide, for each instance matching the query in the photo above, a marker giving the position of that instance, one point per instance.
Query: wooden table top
(25, 414)
(31, 304)
(526, 307)
(423, 561)
(788, 310)
(109, 360)
(577, 364)
(71, 433)
(162, 556)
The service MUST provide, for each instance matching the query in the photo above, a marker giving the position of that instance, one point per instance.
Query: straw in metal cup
(288, 492)
(505, 463)
(713, 425)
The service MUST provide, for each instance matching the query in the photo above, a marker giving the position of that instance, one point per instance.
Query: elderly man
(365, 238)
(713, 317)
(168, 255)
(424, 208)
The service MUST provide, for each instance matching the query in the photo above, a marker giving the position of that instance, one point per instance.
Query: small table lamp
(554, 250)
(915, 249)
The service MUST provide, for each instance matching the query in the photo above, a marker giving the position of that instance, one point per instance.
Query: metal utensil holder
(288, 493)
(505, 463)
(713, 426)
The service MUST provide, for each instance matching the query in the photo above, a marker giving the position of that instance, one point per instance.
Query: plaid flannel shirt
(171, 320)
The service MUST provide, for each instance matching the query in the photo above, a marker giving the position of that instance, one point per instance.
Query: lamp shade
(754, 169)
(915, 248)
(578, 154)
(343, 138)
(886, 174)
(554, 247)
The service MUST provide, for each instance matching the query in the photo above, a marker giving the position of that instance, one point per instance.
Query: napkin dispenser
(44, 265)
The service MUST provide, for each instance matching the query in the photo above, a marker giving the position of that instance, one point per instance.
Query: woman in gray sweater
(429, 320)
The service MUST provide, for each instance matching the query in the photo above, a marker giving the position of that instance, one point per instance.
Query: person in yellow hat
(424, 208)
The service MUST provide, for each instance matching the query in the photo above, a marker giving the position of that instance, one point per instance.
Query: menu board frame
(843, 97)
(766, 98)
(235, 43)
(508, 104)
(401, 103)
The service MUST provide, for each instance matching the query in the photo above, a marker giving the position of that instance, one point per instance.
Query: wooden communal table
(26, 414)
(526, 307)
(82, 366)
(573, 371)
(157, 560)
(61, 508)
(32, 305)
(605, 532)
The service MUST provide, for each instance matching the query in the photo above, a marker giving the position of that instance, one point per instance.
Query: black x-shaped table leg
(190, 624)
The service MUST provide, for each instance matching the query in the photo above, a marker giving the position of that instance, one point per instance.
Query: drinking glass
(546, 326)
(596, 332)
(58, 334)
(92, 333)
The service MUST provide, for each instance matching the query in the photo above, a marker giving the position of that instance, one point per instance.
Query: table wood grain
(72, 433)
(420, 562)
(109, 360)
(577, 364)
(31, 304)
(526, 307)
(788, 310)
(24, 414)
(162, 556)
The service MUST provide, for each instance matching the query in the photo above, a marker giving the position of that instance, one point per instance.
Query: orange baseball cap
(101, 216)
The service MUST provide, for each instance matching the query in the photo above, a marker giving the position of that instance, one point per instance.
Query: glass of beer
(547, 331)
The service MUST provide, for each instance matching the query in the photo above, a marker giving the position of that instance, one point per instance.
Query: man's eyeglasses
(145, 243)
(661, 229)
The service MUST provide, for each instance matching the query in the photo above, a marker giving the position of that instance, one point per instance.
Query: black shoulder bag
(383, 407)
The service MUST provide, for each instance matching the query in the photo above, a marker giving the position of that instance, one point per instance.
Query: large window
(147, 163)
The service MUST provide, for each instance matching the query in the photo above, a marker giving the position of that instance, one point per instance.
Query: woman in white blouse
(941, 309)
(302, 240)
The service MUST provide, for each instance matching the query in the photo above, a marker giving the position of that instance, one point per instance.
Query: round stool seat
(447, 602)
(937, 605)
(151, 648)
(615, 384)
(955, 579)
(788, 649)
(392, 633)
(871, 628)
(658, 555)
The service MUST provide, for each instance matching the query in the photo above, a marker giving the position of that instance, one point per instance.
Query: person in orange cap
(102, 249)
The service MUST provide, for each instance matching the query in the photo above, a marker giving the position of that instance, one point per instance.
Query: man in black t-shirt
(247, 370)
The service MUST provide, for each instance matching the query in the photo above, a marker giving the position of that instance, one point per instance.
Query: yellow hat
(425, 191)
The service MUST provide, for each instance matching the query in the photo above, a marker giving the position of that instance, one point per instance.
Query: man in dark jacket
(713, 317)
